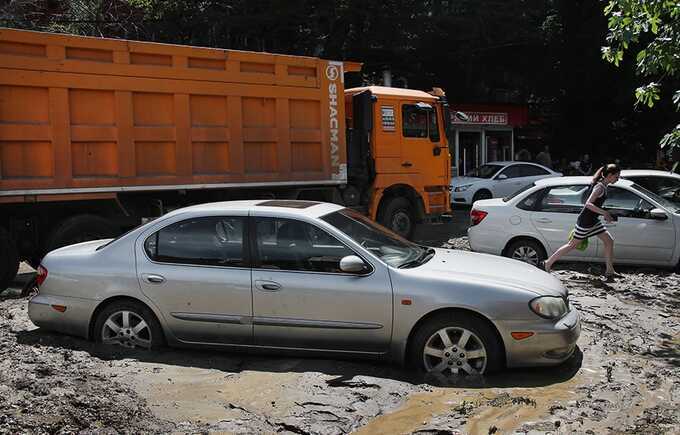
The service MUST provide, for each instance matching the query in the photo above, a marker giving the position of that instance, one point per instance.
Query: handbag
(583, 244)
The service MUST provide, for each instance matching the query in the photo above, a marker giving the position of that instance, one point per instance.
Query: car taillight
(476, 216)
(42, 275)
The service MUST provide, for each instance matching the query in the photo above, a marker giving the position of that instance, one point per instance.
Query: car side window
(513, 171)
(564, 199)
(207, 241)
(532, 171)
(287, 244)
(624, 203)
(530, 202)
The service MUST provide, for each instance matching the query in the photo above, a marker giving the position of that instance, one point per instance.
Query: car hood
(493, 269)
(459, 181)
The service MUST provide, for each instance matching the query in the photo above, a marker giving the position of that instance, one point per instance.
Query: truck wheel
(77, 229)
(455, 345)
(398, 216)
(9, 260)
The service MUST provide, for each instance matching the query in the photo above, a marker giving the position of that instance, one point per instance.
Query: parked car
(666, 184)
(496, 180)
(532, 224)
(299, 275)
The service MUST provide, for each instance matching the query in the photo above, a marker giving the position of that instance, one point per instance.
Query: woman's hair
(605, 171)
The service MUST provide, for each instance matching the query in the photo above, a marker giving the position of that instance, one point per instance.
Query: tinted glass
(531, 201)
(520, 191)
(415, 121)
(513, 171)
(286, 244)
(434, 125)
(532, 171)
(212, 241)
(485, 171)
(625, 203)
(565, 199)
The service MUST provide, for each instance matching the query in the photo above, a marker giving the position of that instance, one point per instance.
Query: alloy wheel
(454, 351)
(526, 254)
(128, 329)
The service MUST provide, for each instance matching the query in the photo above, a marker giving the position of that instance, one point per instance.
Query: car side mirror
(352, 264)
(658, 214)
(502, 177)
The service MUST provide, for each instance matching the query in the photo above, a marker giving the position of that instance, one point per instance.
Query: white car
(666, 184)
(496, 180)
(535, 222)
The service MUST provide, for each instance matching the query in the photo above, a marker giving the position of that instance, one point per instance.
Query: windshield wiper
(423, 258)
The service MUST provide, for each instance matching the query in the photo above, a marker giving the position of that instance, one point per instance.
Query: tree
(652, 28)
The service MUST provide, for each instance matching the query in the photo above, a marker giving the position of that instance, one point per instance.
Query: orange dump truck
(97, 134)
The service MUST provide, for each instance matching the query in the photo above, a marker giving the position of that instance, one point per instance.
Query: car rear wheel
(129, 324)
(456, 345)
(526, 250)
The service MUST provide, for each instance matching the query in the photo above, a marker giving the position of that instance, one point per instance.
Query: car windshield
(673, 208)
(517, 192)
(485, 171)
(381, 242)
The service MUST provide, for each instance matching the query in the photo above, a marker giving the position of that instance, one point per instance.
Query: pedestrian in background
(585, 165)
(588, 223)
(543, 158)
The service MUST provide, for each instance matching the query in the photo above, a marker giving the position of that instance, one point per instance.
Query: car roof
(648, 172)
(311, 209)
(563, 181)
(513, 162)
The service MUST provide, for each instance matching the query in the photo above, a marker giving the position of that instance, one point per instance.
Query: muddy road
(624, 378)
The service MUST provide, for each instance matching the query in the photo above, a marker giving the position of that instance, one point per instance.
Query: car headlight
(462, 188)
(549, 307)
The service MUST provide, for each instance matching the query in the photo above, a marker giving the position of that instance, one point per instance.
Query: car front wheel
(456, 345)
(129, 324)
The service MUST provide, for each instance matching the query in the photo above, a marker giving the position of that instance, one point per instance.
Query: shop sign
(493, 118)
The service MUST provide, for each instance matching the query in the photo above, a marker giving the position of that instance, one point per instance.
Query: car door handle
(407, 164)
(154, 279)
(270, 286)
(543, 220)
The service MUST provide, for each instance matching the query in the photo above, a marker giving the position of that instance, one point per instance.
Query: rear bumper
(74, 321)
(551, 344)
(485, 241)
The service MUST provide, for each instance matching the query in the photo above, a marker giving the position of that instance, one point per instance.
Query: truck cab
(397, 156)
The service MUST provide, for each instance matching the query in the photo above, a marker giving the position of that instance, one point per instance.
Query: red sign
(494, 118)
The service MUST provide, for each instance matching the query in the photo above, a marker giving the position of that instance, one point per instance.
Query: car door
(555, 217)
(301, 298)
(638, 238)
(196, 271)
(508, 181)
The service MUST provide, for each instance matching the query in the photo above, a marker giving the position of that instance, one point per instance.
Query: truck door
(415, 141)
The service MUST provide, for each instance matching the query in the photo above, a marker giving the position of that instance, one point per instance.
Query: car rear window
(520, 191)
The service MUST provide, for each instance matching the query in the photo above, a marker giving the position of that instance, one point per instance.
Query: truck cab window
(415, 121)
(434, 125)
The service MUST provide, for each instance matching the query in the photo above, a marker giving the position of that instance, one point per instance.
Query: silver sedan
(298, 275)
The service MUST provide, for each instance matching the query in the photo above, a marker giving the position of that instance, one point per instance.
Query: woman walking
(589, 224)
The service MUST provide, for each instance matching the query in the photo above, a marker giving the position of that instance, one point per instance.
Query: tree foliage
(650, 28)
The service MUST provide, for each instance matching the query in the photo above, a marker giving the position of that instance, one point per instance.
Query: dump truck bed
(81, 114)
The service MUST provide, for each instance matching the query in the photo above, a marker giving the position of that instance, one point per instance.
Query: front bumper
(74, 321)
(551, 344)
(464, 197)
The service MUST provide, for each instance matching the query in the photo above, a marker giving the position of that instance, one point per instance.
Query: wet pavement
(624, 378)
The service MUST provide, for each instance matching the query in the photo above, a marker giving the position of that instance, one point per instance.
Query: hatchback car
(496, 179)
(666, 184)
(532, 224)
(298, 275)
